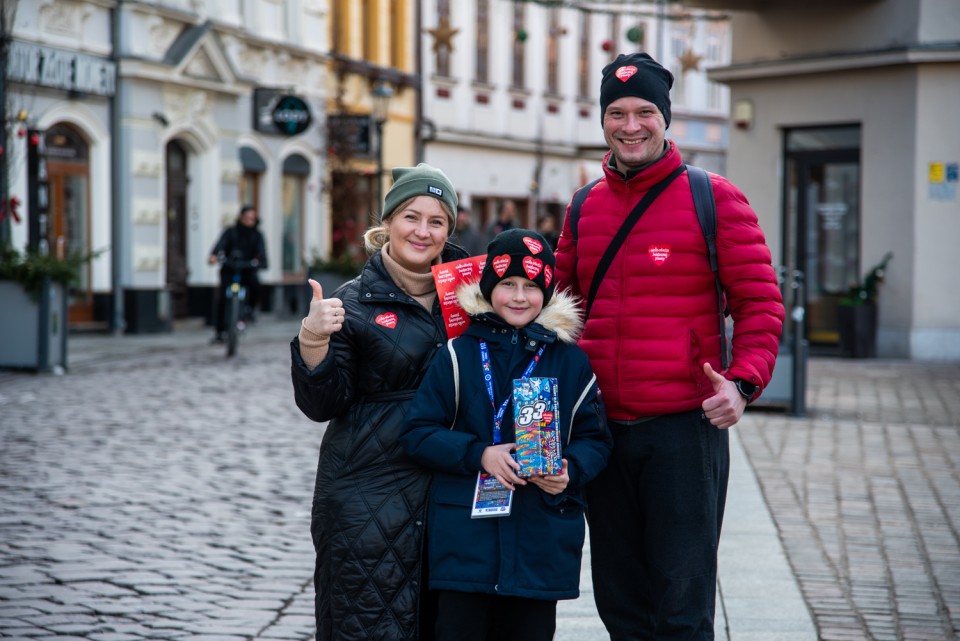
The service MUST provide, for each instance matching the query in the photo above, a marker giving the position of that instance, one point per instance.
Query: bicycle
(234, 298)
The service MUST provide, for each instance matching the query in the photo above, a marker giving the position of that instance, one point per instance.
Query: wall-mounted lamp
(159, 117)
(743, 114)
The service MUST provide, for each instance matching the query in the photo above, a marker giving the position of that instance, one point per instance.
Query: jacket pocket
(694, 356)
(565, 505)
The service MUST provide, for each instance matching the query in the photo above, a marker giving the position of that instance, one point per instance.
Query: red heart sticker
(532, 245)
(500, 264)
(388, 320)
(532, 266)
(547, 418)
(659, 253)
(624, 73)
(547, 276)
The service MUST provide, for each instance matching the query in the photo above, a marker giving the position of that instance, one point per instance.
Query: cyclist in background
(243, 241)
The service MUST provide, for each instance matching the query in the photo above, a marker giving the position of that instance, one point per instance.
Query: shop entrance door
(68, 171)
(822, 222)
(177, 228)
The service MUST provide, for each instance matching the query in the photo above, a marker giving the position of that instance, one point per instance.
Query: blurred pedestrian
(357, 362)
(547, 226)
(506, 219)
(653, 335)
(465, 235)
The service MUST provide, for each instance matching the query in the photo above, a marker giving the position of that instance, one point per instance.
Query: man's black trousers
(655, 515)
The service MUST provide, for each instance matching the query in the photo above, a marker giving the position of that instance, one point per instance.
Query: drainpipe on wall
(418, 61)
(118, 188)
(5, 223)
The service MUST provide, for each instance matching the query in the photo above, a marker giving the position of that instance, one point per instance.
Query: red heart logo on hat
(624, 73)
(547, 276)
(532, 266)
(659, 253)
(388, 320)
(500, 264)
(532, 244)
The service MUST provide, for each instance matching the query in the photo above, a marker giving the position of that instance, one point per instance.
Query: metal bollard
(798, 400)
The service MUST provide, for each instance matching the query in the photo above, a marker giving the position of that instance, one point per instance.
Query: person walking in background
(653, 337)
(500, 577)
(547, 226)
(356, 363)
(506, 219)
(466, 236)
(242, 242)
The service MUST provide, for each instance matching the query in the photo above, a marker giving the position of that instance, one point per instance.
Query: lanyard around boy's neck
(488, 379)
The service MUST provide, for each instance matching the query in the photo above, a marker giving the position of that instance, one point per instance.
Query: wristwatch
(747, 389)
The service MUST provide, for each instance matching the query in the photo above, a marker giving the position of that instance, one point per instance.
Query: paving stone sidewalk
(865, 492)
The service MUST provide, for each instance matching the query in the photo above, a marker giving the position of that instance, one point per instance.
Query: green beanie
(422, 180)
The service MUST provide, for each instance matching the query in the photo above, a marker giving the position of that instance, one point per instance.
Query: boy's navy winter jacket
(535, 551)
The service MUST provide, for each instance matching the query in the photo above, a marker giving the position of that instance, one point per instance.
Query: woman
(357, 362)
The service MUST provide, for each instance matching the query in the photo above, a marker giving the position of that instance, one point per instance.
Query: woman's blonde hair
(376, 237)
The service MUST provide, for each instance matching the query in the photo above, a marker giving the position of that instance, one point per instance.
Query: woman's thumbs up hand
(326, 315)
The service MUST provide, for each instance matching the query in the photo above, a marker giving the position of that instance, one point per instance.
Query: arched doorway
(177, 180)
(68, 169)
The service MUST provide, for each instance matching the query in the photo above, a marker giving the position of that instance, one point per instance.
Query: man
(506, 219)
(464, 234)
(243, 241)
(654, 341)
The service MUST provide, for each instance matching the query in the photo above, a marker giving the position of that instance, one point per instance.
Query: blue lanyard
(488, 379)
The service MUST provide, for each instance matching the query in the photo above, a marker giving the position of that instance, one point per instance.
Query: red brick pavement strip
(865, 493)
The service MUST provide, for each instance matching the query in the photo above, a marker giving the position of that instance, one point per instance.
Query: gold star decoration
(442, 35)
(689, 61)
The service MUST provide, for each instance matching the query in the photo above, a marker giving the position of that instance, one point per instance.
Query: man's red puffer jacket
(654, 321)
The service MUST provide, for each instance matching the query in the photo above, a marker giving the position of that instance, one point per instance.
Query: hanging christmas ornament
(521, 36)
(607, 45)
(635, 34)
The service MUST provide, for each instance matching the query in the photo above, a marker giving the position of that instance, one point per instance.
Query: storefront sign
(349, 135)
(67, 70)
(275, 112)
(291, 115)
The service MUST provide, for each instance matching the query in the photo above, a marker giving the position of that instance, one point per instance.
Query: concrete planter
(34, 329)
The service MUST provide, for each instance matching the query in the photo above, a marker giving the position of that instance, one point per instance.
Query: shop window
(296, 169)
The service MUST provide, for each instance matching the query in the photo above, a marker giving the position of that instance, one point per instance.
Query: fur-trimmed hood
(562, 315)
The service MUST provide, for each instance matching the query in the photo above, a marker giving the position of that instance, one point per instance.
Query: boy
(500, 577)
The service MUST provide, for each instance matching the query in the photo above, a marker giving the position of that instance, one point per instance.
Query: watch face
(747, 390)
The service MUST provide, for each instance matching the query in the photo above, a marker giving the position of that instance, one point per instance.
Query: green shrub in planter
(857, 314)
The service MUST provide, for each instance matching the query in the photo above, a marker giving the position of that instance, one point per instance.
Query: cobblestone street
(164, 494)
(159, 497)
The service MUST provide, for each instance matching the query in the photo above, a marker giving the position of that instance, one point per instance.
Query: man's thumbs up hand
(726, 406)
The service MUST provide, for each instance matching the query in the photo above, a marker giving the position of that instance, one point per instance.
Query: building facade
(372, 104)
(511, 94)
(156, 121)
(844, 141)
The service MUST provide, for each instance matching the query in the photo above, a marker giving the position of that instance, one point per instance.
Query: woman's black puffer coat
(368, 503)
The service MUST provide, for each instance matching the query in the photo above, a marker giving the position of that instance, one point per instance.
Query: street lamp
(381, 94)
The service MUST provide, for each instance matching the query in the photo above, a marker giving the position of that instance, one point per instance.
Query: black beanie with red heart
(636, 75)
(519, 252)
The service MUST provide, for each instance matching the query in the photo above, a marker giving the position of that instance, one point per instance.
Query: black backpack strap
(706, 207)
(578, 197)
(622, 234)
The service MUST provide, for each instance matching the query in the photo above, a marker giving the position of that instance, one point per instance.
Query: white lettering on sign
(67, 70)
